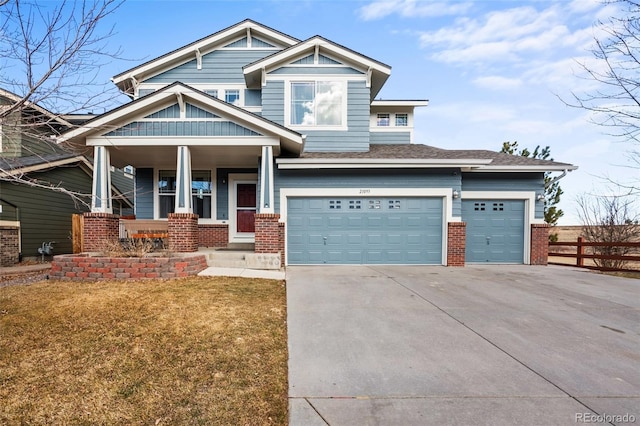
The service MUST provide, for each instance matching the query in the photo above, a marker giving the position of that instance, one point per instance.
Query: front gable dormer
(190, 61)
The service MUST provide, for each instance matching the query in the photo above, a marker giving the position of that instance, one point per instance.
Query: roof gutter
(555, 179)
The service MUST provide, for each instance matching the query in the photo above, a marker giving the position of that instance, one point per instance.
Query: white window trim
(529, 198)
(301, 79)
(232, 180)
(392, 122)
(156, 196)
(445, 193)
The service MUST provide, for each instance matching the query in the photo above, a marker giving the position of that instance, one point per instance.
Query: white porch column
(266, 181)
(183, 181)
(101, 201)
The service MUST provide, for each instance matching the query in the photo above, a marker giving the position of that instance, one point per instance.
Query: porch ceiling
(202, 157)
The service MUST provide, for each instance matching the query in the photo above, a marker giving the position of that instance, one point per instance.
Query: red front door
(245, 207)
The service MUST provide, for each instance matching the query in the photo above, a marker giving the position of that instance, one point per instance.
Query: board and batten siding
(144, 193)
(496, 182)
(403, 178)
(273, 101)
(390, 138)
(218, 67)
(45, 215)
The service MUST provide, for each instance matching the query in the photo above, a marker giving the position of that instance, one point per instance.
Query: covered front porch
(203, 167)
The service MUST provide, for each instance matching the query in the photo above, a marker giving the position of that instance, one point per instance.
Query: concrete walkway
(24, 269)
(242, 272)
(480, 345)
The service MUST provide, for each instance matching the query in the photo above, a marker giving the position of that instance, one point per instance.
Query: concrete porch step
(244, 259)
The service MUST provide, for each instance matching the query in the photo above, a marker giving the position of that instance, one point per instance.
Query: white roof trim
(346, 163)
(520, 169)
(165, 97)
(414, 103)
(315, 44)
(15, 98)
(204, 46)
(45, 165)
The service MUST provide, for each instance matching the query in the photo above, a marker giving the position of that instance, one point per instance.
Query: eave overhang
(399, 103)
(127, 79)
(377, 72)
(524, 169)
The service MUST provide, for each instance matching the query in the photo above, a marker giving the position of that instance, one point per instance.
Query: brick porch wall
(456, 243)
(539, 243)
(100, 229)
(183, 232)
(214, 235)
(268, 239)
(10, 246)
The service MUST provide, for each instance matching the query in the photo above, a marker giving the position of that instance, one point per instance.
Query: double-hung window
(317, 103)
(201, 188)
(383, 120)
(232, 96)
(402, 120)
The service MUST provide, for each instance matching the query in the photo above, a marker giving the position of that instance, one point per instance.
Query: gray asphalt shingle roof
(416, 151)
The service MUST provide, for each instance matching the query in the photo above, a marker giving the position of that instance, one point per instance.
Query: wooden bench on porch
(144, 228)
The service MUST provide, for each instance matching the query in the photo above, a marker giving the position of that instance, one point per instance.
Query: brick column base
(281, 242)
(539, 244)
(268, 233)
(456, 243)
(10, 246)
(183, 232)
(99, 229)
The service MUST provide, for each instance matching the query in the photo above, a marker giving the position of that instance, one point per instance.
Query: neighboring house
(33, 214)
(251, 135)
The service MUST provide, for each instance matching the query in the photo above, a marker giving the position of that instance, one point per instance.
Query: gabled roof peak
(128, 79)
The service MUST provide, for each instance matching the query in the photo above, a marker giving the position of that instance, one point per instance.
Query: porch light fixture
(456, 194)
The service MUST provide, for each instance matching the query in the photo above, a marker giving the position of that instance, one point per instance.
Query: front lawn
(190, 351)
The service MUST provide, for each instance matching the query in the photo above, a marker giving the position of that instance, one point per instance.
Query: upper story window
(402, 120)
(383, 120)
(232, 96)
(318, 103)
(212, 92)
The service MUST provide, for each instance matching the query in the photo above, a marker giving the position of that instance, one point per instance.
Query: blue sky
(491, 70)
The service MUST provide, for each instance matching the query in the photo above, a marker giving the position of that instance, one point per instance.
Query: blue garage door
(342, 230)
(495, 231)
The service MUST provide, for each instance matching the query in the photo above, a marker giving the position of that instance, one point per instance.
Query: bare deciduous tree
(609, 219)
(50, 55)
(616, 101)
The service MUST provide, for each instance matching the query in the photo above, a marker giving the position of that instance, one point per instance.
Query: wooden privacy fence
(77, 231)
(580, 254)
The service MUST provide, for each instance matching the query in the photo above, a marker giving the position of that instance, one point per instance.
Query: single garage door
(495, 231)
(342, 230)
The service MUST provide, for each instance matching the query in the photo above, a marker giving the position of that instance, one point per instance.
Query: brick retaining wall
(83, 267)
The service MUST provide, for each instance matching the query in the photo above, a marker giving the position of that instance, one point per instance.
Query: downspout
(555, 179)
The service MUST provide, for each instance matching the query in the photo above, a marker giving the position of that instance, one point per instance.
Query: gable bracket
(316, 54)
(249, 37)
(183, 112)
(369, 74)
(264, 77)
(198, 59)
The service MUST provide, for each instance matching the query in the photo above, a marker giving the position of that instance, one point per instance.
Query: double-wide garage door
(342, 230)
(495, 231)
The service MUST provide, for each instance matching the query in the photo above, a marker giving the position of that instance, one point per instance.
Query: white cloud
(410, 9)
(496, 82)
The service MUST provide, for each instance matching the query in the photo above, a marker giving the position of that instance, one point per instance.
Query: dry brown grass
(194, 351)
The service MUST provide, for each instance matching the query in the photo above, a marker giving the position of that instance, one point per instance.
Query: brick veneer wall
(214, 235)
(99, 229)
(456, 243)
(9, 245)
(539, 243)
(268, 233)
(281, 242)
(83, 267)
(183, 232)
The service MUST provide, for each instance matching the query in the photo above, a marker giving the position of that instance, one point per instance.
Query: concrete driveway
(493, 345)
